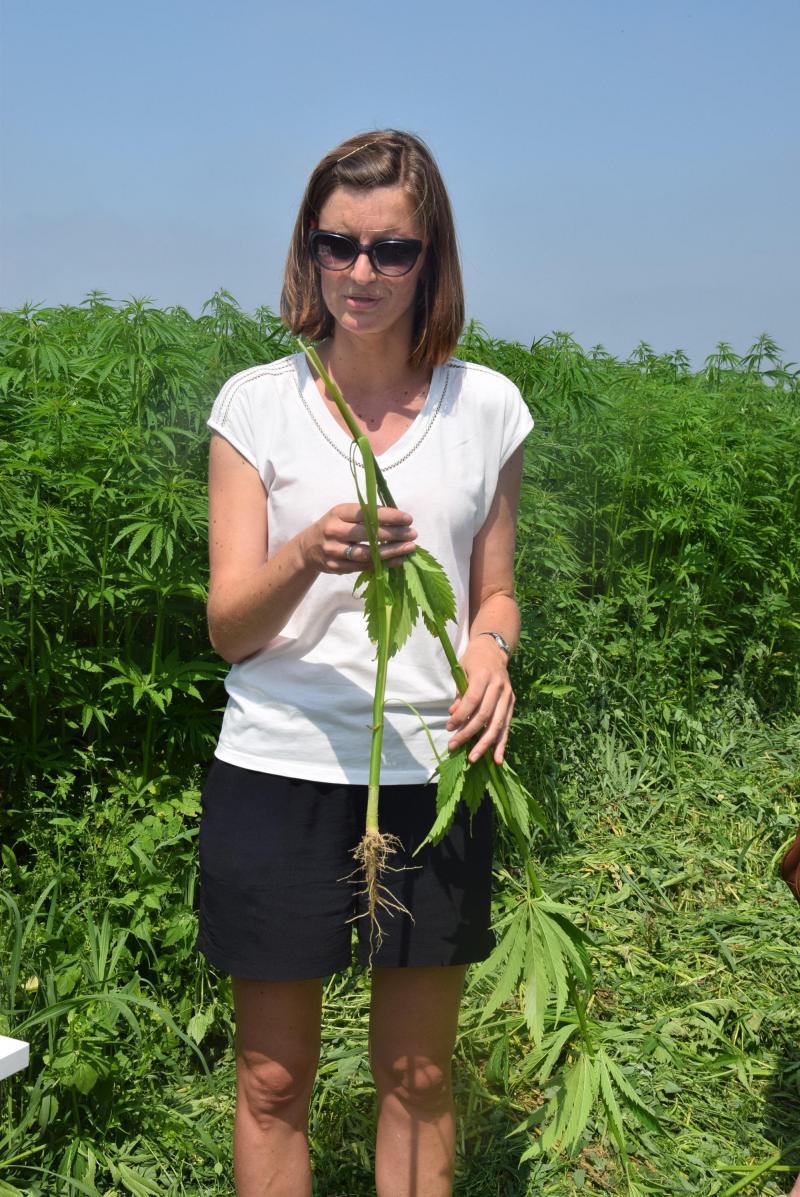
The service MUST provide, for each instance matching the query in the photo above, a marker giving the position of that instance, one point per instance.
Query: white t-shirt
(302, 706)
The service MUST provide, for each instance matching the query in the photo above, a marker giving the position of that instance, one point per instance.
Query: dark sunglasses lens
(395, 257)
(332, 252)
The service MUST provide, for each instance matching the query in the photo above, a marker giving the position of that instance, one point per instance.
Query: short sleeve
(231, 417)
(517, 423)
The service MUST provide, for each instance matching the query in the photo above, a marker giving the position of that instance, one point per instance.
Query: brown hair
(384, 158)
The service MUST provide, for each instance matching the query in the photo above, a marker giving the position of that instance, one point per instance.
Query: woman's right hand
(336, 543)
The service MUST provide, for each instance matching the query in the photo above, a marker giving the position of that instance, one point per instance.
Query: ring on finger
(348, 553)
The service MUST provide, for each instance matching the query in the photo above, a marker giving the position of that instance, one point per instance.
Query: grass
(697, 975)
(657, 724)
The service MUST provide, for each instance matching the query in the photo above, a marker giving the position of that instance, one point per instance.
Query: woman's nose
(361, 270)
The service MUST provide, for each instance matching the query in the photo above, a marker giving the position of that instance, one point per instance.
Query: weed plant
(657, 722)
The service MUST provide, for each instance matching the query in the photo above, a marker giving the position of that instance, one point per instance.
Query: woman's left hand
(488, 703)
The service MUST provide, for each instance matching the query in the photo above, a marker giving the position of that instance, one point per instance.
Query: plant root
(372, 855)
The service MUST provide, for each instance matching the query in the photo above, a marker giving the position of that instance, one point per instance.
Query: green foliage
(102, 559)
(657, 684)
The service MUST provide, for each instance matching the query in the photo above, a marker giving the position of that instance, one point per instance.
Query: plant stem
(370, 510)
(348, 417)
(767, 1166)
(459, 676)
(376, 481)
(34, 686)
(580, 1010)
(155, 657)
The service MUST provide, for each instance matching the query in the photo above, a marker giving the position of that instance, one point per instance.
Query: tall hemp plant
(540, 945)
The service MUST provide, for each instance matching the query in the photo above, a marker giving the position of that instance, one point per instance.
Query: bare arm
(251, 598)
(489, 700)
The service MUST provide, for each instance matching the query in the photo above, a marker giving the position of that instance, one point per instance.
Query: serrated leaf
(610, 1104)
(474, 790)
(369, 597)
(451, 773)
(138, 527)
(557, 1044)
(510, 799)
(497, 793)
(534, 1005)
(522, 796)
(405, 610)
(514, 803)
(156, 544)
(141, 535)
(631, 1099)
(494, 961)
(506, 960)
(573, 1107)
(551, 955)
(506, 983)
(431, 588)
(573, 941)
(414, 583)
(361, 580)
(448, 791)
(442, 822)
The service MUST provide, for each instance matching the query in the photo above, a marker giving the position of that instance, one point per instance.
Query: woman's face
(361, 300)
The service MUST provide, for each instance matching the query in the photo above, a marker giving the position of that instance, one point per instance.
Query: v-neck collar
(340, 439)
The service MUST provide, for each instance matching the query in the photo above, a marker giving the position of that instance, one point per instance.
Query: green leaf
(84, 1077)
(507, 981)
(370, 598)
(610, 1104)
(431, 589)
(537, 991)
(550, 953)
(156, 543)
(501, 787)
(557, 1043)
(403, 613)
(199, 1023)
(572, 939)
(452, 772)
(631, 1099)
(521, 797)
(573, 1107)
(405, 610)
(137, 1184)
(512, 801)
(414, 583)
(141, 530)
(581, 1091)
(474, 790)
(507, 958)
(448, 791)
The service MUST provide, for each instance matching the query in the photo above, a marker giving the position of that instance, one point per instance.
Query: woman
(373, 277)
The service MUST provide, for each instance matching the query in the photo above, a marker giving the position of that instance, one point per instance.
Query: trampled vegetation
(658, 684)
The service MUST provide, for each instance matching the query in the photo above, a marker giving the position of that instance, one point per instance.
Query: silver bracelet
(499, 640)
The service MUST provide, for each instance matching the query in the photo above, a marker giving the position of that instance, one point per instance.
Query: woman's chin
(372, 323)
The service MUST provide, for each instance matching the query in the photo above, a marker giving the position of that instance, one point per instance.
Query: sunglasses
(336, 251)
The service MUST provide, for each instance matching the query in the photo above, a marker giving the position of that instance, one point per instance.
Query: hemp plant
(540, 945)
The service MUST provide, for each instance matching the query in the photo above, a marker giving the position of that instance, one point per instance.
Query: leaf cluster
(657, 683)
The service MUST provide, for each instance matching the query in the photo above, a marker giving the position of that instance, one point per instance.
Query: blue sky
(621, 170)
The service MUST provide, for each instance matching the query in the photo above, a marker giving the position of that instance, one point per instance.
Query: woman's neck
(360, 365)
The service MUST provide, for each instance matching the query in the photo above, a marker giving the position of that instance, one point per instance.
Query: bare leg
(277, 1050)
(413, 1022)
(795, 1188)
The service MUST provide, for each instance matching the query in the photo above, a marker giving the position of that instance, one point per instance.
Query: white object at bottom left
(14, 1055)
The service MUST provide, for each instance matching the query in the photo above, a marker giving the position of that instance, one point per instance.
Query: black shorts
(278, 899)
